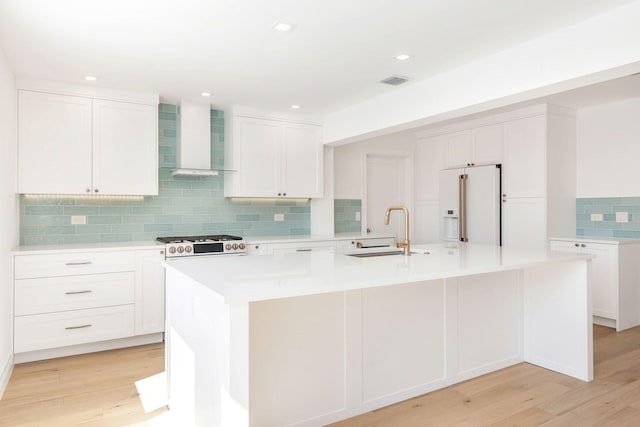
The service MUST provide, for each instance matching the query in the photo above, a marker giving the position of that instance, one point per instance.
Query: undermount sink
(372, 254)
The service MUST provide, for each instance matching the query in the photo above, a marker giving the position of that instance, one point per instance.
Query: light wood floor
(98, 390)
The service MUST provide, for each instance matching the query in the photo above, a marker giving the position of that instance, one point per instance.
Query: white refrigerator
(470, 204)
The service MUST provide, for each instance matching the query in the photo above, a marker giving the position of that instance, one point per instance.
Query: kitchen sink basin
(372, 254)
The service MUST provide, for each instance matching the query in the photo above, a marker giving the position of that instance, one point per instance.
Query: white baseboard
(72, 350)
(603, 321)
(7, 369)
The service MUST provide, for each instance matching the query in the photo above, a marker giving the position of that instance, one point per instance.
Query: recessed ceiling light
(282, 26)
(295, 107)
(206, 94)
(91, 78)
(403, 57)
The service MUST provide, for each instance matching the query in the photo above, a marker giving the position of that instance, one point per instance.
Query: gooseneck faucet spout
(405, 244)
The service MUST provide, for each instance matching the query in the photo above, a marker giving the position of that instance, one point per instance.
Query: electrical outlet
(278, 217)
(622, 216)
(357, 216)
(78, 219)
(596, 217)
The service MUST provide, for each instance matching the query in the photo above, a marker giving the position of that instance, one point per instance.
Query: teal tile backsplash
(344, 211)
(608, 227)
(184, 205)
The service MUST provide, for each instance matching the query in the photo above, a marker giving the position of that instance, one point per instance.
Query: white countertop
(602, 240)
(85, 247)
(241, 279)
(312, 238)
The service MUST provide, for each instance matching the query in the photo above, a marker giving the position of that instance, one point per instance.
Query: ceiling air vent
(395, 80)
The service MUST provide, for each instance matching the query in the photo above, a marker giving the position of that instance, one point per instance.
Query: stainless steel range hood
(193, 146)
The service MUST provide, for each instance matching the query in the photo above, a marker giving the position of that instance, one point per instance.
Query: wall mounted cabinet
(474, 147)
(71, 144)
(273, 158)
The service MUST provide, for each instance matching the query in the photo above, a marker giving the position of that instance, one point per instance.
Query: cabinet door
(54, 143)
(487, 144)
(258, 159)
(524, 223)
(604, 280)
(303, 159)
(429, 163)
(125, 148)
(458, 149)
(149, 292)
(524, 165)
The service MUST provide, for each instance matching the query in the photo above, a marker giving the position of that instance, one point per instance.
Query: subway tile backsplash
(608, 227)
(184, 205)
(344, 211)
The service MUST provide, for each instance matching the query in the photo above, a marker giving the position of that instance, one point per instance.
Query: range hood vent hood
(193, 146)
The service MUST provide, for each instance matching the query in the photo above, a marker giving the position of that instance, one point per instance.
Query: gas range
(219, 244)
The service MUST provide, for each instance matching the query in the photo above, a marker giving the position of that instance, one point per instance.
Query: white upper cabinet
(458, 149)
(525, 165)
(71, 144)
(487, 143)
(478, 146)
(429, 162)
(125, 148)
(273, 158)
(54, 150)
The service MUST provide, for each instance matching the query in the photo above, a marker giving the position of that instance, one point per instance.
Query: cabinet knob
(284, 194)
(583, 245)
(96, 190)
(504, 195)
(576, 245)
(279, 194)
(88, 190)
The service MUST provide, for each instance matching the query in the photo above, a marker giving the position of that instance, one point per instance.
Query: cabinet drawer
(42, 331)
(71, 264)
(51, 294)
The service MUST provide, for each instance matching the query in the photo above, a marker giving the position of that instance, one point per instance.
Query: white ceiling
(334, 57)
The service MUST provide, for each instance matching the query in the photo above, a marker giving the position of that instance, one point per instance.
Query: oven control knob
(180, 249)
(241, 245)
(234, 246)
(172, 250)
(187, 249)
(228, 246)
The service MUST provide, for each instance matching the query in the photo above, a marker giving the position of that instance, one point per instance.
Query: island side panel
(558, 332)
(297, 360)
(206, 347)
(485, 323)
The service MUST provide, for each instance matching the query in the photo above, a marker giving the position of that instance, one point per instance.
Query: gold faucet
(405, 244)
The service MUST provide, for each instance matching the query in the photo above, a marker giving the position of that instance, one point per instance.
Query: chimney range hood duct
(193, 145)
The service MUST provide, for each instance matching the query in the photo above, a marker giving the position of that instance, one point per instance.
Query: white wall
(592, 51)
(349, 161)
(608, 150)
(9, 219)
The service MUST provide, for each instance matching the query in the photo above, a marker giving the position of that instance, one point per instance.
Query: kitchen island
(310, 338)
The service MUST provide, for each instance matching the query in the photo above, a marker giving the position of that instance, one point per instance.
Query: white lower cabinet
(71, 298)
(615, 280)
(524, 222)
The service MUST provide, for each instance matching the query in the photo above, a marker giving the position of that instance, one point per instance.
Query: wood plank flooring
(525, 395)
(98, 390)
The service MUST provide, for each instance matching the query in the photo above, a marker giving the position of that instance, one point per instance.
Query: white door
(302, 149)
(386, 186)
(523, 223)
(259, 158)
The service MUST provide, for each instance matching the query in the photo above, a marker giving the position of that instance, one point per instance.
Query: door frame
(408, 157)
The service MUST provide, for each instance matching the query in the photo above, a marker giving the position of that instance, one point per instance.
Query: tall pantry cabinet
(537, 150)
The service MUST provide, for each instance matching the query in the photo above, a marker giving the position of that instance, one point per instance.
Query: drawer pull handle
(77, 327)
(304, 250)
(78, 292)
(79, 263)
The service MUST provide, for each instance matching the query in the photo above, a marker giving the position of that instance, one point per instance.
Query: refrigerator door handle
(462, 207)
